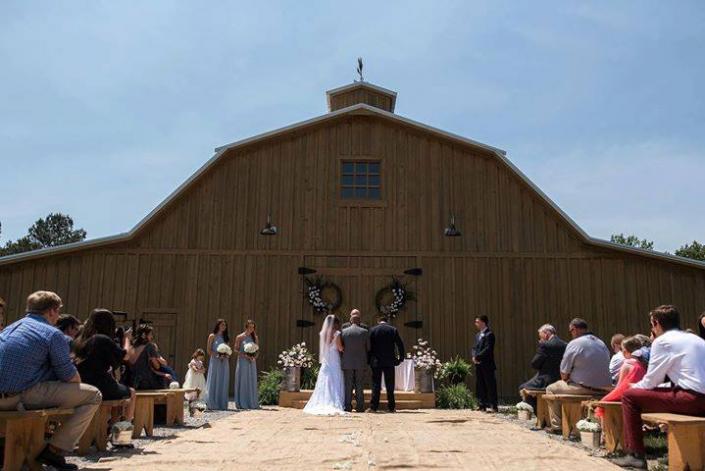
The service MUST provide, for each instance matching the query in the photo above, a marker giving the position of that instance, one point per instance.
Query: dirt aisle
(285, 439)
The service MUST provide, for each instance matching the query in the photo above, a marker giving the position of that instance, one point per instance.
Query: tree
(632, 241)
(696, 251)
(55, 229)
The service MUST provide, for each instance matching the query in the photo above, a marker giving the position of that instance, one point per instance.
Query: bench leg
(542, 418)
(612, 428)
(686, 447)
(24, 439)
(171, 412)
(144, 416)
(570, 412)
(101, 434)
(88, 437)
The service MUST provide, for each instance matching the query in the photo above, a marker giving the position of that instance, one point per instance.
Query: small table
(404, 377)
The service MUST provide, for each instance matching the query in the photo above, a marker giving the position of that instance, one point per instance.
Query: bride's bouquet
(251, 349)
(298, 355)
(224, 351)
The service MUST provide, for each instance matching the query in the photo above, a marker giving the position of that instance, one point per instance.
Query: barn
(356, 198)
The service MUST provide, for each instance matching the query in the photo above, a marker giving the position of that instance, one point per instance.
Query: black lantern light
(269, 228)
(451, 230)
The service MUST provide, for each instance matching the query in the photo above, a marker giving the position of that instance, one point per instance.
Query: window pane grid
(360, 180)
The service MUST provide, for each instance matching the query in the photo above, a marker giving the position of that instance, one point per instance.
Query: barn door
(164, 323)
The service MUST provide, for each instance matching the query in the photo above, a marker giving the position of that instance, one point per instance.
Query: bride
(328, 395)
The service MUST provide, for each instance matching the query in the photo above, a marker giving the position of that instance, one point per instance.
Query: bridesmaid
(246, 371)
(218, 368)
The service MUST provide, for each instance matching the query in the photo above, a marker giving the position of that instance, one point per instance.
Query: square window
(373, 180)
(347, 180)
(348, 168)
(361, 167)
(373, 168)
(360, 180)
(360, 193)
(347, 193)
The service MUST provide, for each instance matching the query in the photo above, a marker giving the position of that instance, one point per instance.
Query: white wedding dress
(329, 394)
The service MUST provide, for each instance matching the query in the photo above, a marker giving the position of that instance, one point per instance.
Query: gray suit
(356, 343)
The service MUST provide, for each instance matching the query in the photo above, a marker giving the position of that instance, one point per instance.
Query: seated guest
(674, 354)
(69, 326)
(546, 362)
(2, 314)
(636, 359)
(617, 358)
(37, 372)
(585, 369)
(701, 325)
(164, 366)
(98, 356)
(144, 361)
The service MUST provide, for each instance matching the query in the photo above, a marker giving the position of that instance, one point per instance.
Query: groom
(356, 340)
(386, 352)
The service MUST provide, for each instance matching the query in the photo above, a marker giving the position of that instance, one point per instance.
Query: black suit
(386, 352)
(485, 381)
(547, 363)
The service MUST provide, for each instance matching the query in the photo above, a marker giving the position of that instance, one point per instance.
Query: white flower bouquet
(424, 357)
(525, 406)
(224, 350)
(587, 425)
(298, 355)
(251, 349)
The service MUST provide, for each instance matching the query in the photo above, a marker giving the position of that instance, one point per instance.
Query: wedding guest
(617, 358)
(2, 314)
(636, 359)
(546, 362)
(246, 396)
(164, 366)
(98, 357)
(584, 369)
(195, 376)
(143, 361)
(37, 371)
(355, 312)
(674, 354)
(485, 367)
(69, 326)
(218, 368)
(701, 326)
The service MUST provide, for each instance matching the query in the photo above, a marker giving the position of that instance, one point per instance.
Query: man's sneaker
(55, 460)
(630, 461)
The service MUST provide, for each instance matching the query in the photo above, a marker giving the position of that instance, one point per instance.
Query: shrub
(309, 375)
(454, 371)
(456, 396)
(269, 386)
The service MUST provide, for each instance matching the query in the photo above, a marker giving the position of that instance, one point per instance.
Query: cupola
(361, 92)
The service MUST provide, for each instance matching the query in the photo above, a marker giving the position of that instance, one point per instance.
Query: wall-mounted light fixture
(451, 230)
(269, 228)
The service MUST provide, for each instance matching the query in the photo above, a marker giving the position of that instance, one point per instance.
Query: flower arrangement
(424, 357)
(224, 350)
(525, 406)
(588, 425)
(298, 355)
(251, 349)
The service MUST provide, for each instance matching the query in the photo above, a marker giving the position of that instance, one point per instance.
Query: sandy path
(285, 439)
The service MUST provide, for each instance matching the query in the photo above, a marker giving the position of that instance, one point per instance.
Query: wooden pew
(542, 418)
(686, 440)
(144, 411)
(24, 436)
(612, 425)
(571, 410)
(174, 401)
(98, 430)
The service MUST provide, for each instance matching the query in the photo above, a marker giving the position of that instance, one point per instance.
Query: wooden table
(571, 410)
(98, 430)
(24, 436)
(686, 440)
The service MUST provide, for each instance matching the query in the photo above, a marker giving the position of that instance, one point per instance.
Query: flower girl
(195, 376)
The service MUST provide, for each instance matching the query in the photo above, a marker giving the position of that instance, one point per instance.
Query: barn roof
(358, 109)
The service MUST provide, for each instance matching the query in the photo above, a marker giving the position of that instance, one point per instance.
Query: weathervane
(359, 69)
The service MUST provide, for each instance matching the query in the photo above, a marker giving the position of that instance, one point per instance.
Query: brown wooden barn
(360, 194)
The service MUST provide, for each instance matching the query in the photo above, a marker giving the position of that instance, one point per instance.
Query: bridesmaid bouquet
(251, 349)
(224, 351)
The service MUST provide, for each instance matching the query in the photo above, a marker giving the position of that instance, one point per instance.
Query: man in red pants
(677, 355)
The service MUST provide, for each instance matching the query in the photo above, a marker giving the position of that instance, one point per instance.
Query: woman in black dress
(144, 361)
(98, 356)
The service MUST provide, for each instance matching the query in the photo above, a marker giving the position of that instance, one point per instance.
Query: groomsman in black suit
(386, 352)
(483, 358)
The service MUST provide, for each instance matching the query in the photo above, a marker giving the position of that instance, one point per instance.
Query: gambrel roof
(357, 109)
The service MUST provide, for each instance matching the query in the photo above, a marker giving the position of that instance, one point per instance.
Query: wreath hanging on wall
(324, 296)
(392, 298)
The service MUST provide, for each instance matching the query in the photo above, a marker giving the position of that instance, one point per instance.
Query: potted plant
(453, 372)
(291, 361)
(589, 432)
(425, 364)
(524, 411)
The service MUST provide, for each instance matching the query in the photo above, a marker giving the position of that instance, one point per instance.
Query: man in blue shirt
(36, 372)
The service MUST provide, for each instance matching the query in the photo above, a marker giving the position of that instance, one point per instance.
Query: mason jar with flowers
(590, 431)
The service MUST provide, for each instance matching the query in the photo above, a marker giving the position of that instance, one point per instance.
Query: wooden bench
(24, 436)
(144, 411)
(174, 401)
(542, 418)
(686, 440)
(571, 410)
(98, 430)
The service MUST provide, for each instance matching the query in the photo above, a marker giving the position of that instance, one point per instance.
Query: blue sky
(106, 107)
